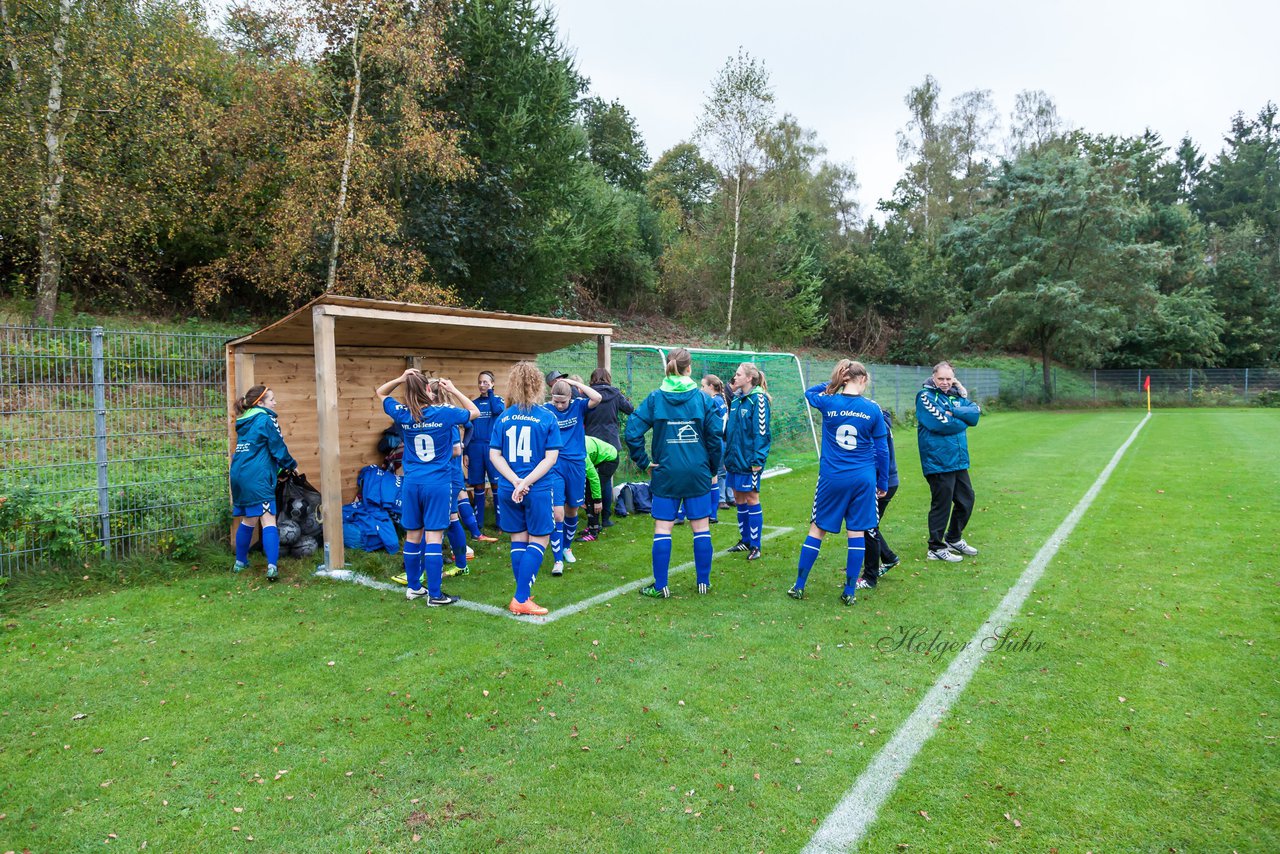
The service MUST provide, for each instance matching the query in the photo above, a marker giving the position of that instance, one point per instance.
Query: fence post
(1246, 383)
(1190, 382)
(1095, 385)
(100, 434)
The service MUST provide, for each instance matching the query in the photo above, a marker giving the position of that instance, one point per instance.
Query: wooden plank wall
(291, 374)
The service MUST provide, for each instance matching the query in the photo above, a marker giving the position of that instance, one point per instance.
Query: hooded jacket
(602, 422)
(259, 457)
(747, 434)
(686, 438)
(941, 422)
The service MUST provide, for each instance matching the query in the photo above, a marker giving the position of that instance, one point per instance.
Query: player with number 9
(429, 426)
(853, 471)
(523, 447)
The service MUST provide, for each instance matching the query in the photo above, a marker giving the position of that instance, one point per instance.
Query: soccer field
(1131, 705)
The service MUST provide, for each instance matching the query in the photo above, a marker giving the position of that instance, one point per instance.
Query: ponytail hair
(757, 378)
(844, 371)
(418, 393)
(678, 361)
(250, 399)
(717, 384)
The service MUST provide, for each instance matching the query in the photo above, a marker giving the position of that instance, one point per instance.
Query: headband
(264, 394)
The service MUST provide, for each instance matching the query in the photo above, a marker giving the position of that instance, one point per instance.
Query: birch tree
(736, 113)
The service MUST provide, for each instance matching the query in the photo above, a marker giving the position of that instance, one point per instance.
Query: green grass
(728, 723)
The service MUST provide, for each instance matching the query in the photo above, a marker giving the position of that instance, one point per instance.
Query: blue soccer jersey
(854, 436)
(490, 406)
(428, 440)
(573, 429)
(523, 437)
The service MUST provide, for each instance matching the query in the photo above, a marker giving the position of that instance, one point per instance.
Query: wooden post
(327, 435)
(604, 352)
(244, 370)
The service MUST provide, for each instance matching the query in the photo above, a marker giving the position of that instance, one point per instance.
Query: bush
(1269, 398)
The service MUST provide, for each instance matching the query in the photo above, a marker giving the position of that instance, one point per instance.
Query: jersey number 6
(847, 437)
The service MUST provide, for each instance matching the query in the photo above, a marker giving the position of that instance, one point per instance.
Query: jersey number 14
(520, 444)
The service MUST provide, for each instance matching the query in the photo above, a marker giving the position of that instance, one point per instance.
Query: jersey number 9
(424, 447)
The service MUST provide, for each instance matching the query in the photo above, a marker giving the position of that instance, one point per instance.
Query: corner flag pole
(1146, 385)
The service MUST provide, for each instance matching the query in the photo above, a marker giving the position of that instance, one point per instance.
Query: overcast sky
(843, 68)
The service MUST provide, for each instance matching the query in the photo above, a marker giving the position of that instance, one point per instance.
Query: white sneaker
(558, 568)
(962, 547)
(471, 553)
(944, 554)
(415, 594)
(568, 556)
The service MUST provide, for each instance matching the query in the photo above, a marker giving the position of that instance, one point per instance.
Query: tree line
(451, 151)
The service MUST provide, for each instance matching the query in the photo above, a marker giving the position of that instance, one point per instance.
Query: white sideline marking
(566, 611)
(852, 817)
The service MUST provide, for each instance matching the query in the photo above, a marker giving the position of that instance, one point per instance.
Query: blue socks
(244, 536)
(661, 559)
(517, 555)
(755, 525)
(412, 554)
(468, 517)
(529, 563)
(808, 554)
(570, 531)
(479, 507)
(853, 563)
(557, 542)
(702, 552)
(433, 561)
(458, 543)
(743, 511)
(714, 497)
(271, 543)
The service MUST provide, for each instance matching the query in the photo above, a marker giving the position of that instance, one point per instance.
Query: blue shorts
(851, 501)
(253, 511)
(426, 506)
(569, 483)
(749, 482)
(533, 514)
(479, 466)
(698, 507)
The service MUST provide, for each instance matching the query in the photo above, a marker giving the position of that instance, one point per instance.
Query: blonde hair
(678, 361)
(419, 393)
(524, 386)
(561, 388)
(757, 378)
(844, 371)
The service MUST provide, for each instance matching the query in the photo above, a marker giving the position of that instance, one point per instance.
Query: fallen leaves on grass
(926, 815)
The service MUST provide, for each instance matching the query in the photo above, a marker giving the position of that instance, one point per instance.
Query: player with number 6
(853, 471)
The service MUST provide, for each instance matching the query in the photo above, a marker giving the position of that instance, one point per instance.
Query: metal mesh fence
(1125, 387)
(112, 443)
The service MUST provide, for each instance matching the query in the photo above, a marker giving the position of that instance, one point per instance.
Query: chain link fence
(1126, 386)
(111, 443)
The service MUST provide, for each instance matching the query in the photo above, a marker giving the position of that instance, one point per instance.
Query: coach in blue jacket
(943, 414)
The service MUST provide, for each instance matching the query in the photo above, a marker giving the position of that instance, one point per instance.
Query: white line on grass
(853, 816)
(566, 611)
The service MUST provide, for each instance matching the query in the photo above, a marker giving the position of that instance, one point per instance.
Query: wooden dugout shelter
(325, 361)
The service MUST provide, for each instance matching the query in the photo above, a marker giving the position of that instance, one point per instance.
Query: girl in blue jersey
(259, 457)
(854, 470)
(523, 447)
(569, 478)
(479, 468)
(747, 441)
(713, 387)
(686, 456)
(430, 427)
(460, 508)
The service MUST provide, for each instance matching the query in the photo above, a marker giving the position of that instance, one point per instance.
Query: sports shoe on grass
(796, 592)
(415, 594)
(471, 553)
(400, 579)
(452, 571)
(588, 537)
(654, 593)
(569, 556)
(962, 547)
(239, 567)
(754, 554)
(442, 599)
(485, 538)
(846, 599)
(944, 554)
(557, 568)
(527, 608)
(703, 589)
(863, 584)
(740, 547)
(885, 567)
(273, 574)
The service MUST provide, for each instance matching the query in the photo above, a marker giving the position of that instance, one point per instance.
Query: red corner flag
(1146, 384)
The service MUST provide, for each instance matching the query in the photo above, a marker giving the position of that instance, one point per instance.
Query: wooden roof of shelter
(382, 323)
